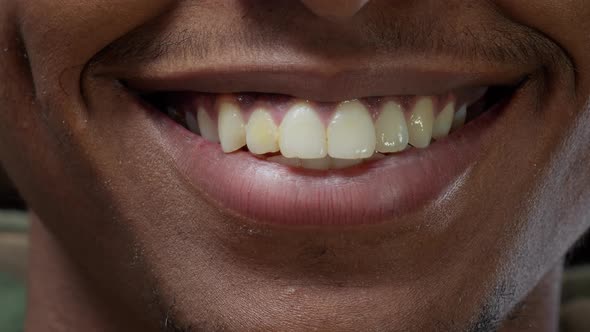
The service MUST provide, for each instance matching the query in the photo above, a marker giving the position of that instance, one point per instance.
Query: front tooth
(317, 164)
(302, 134)
(391, 129)
(232, 132)
(421, 123)
(351, 133)
(207, 126)
(262, 134)
(345, 163)
(444, 121)
(460, 117)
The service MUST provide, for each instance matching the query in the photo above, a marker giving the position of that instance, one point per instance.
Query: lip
(372, 193)
(321, 81)
(378, 192)
(321, 86)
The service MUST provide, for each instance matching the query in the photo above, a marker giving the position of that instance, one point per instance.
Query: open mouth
(325, 136)
(274, 159)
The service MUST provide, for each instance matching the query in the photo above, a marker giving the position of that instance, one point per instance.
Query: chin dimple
(323, 136)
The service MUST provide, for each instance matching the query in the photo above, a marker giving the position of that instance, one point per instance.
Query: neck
(61, 299)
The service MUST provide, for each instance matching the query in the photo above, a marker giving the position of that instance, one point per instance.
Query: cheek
(565, 22)
(61, 39)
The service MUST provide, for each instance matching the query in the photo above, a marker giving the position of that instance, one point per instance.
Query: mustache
(192, 30)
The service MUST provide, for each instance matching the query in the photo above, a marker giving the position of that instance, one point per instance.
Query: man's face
(446, 237)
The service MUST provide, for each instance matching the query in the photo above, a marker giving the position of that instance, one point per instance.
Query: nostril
(332, 9)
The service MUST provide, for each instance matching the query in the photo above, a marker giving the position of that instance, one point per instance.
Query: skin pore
(124, 242)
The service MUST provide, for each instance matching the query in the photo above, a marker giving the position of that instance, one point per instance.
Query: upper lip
(322, 80)
(321, 62)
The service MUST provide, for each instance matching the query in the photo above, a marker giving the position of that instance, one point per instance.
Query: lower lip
(372, 193)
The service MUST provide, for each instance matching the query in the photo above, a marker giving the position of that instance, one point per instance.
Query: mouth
(281, 160)
(322, 136)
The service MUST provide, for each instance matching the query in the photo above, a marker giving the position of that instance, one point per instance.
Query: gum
(279, 105)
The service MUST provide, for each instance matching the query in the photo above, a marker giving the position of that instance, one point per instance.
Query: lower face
(227, 199)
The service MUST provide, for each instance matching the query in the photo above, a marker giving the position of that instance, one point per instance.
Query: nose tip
(335, 9)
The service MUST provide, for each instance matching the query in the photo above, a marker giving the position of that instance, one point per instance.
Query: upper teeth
(262, 134)
(302, 134)
(351, 133)
(309, 138)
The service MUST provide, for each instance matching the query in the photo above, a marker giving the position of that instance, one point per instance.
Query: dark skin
(123, 242)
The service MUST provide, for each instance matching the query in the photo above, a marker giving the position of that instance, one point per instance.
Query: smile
(321, 136)
(275, 159)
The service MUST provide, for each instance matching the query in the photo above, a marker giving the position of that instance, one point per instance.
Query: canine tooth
(345, 163)
(192, 123)
(262, 134)
(292, 162)
(302, 134)
(207, 126)
(232, 132)
(351, 133)
(391, 129)
(444, 121)
(421, 122)
(459, 118)
(317, 164)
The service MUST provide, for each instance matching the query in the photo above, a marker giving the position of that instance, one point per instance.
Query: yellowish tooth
(444, 121)
(232, 131)
(292, 162)
(391, 129)
(421, 123)
(317, 164)
(207, 126)
(459, 118)
(262, 134)
(345, 163)
(302, 134)
(351, 133)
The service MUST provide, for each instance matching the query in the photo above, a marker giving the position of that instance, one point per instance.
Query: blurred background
(575, 313)
(13, 257)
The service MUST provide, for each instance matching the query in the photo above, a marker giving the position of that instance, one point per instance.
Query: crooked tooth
(391, 129)
(232, 132)
(262, 134)
(421, 123)
(344, 163)
(207, 127)
(444, 121)
(317, 164)
(292, 162)
(302, 134)
(459, 118)
(351, 133)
